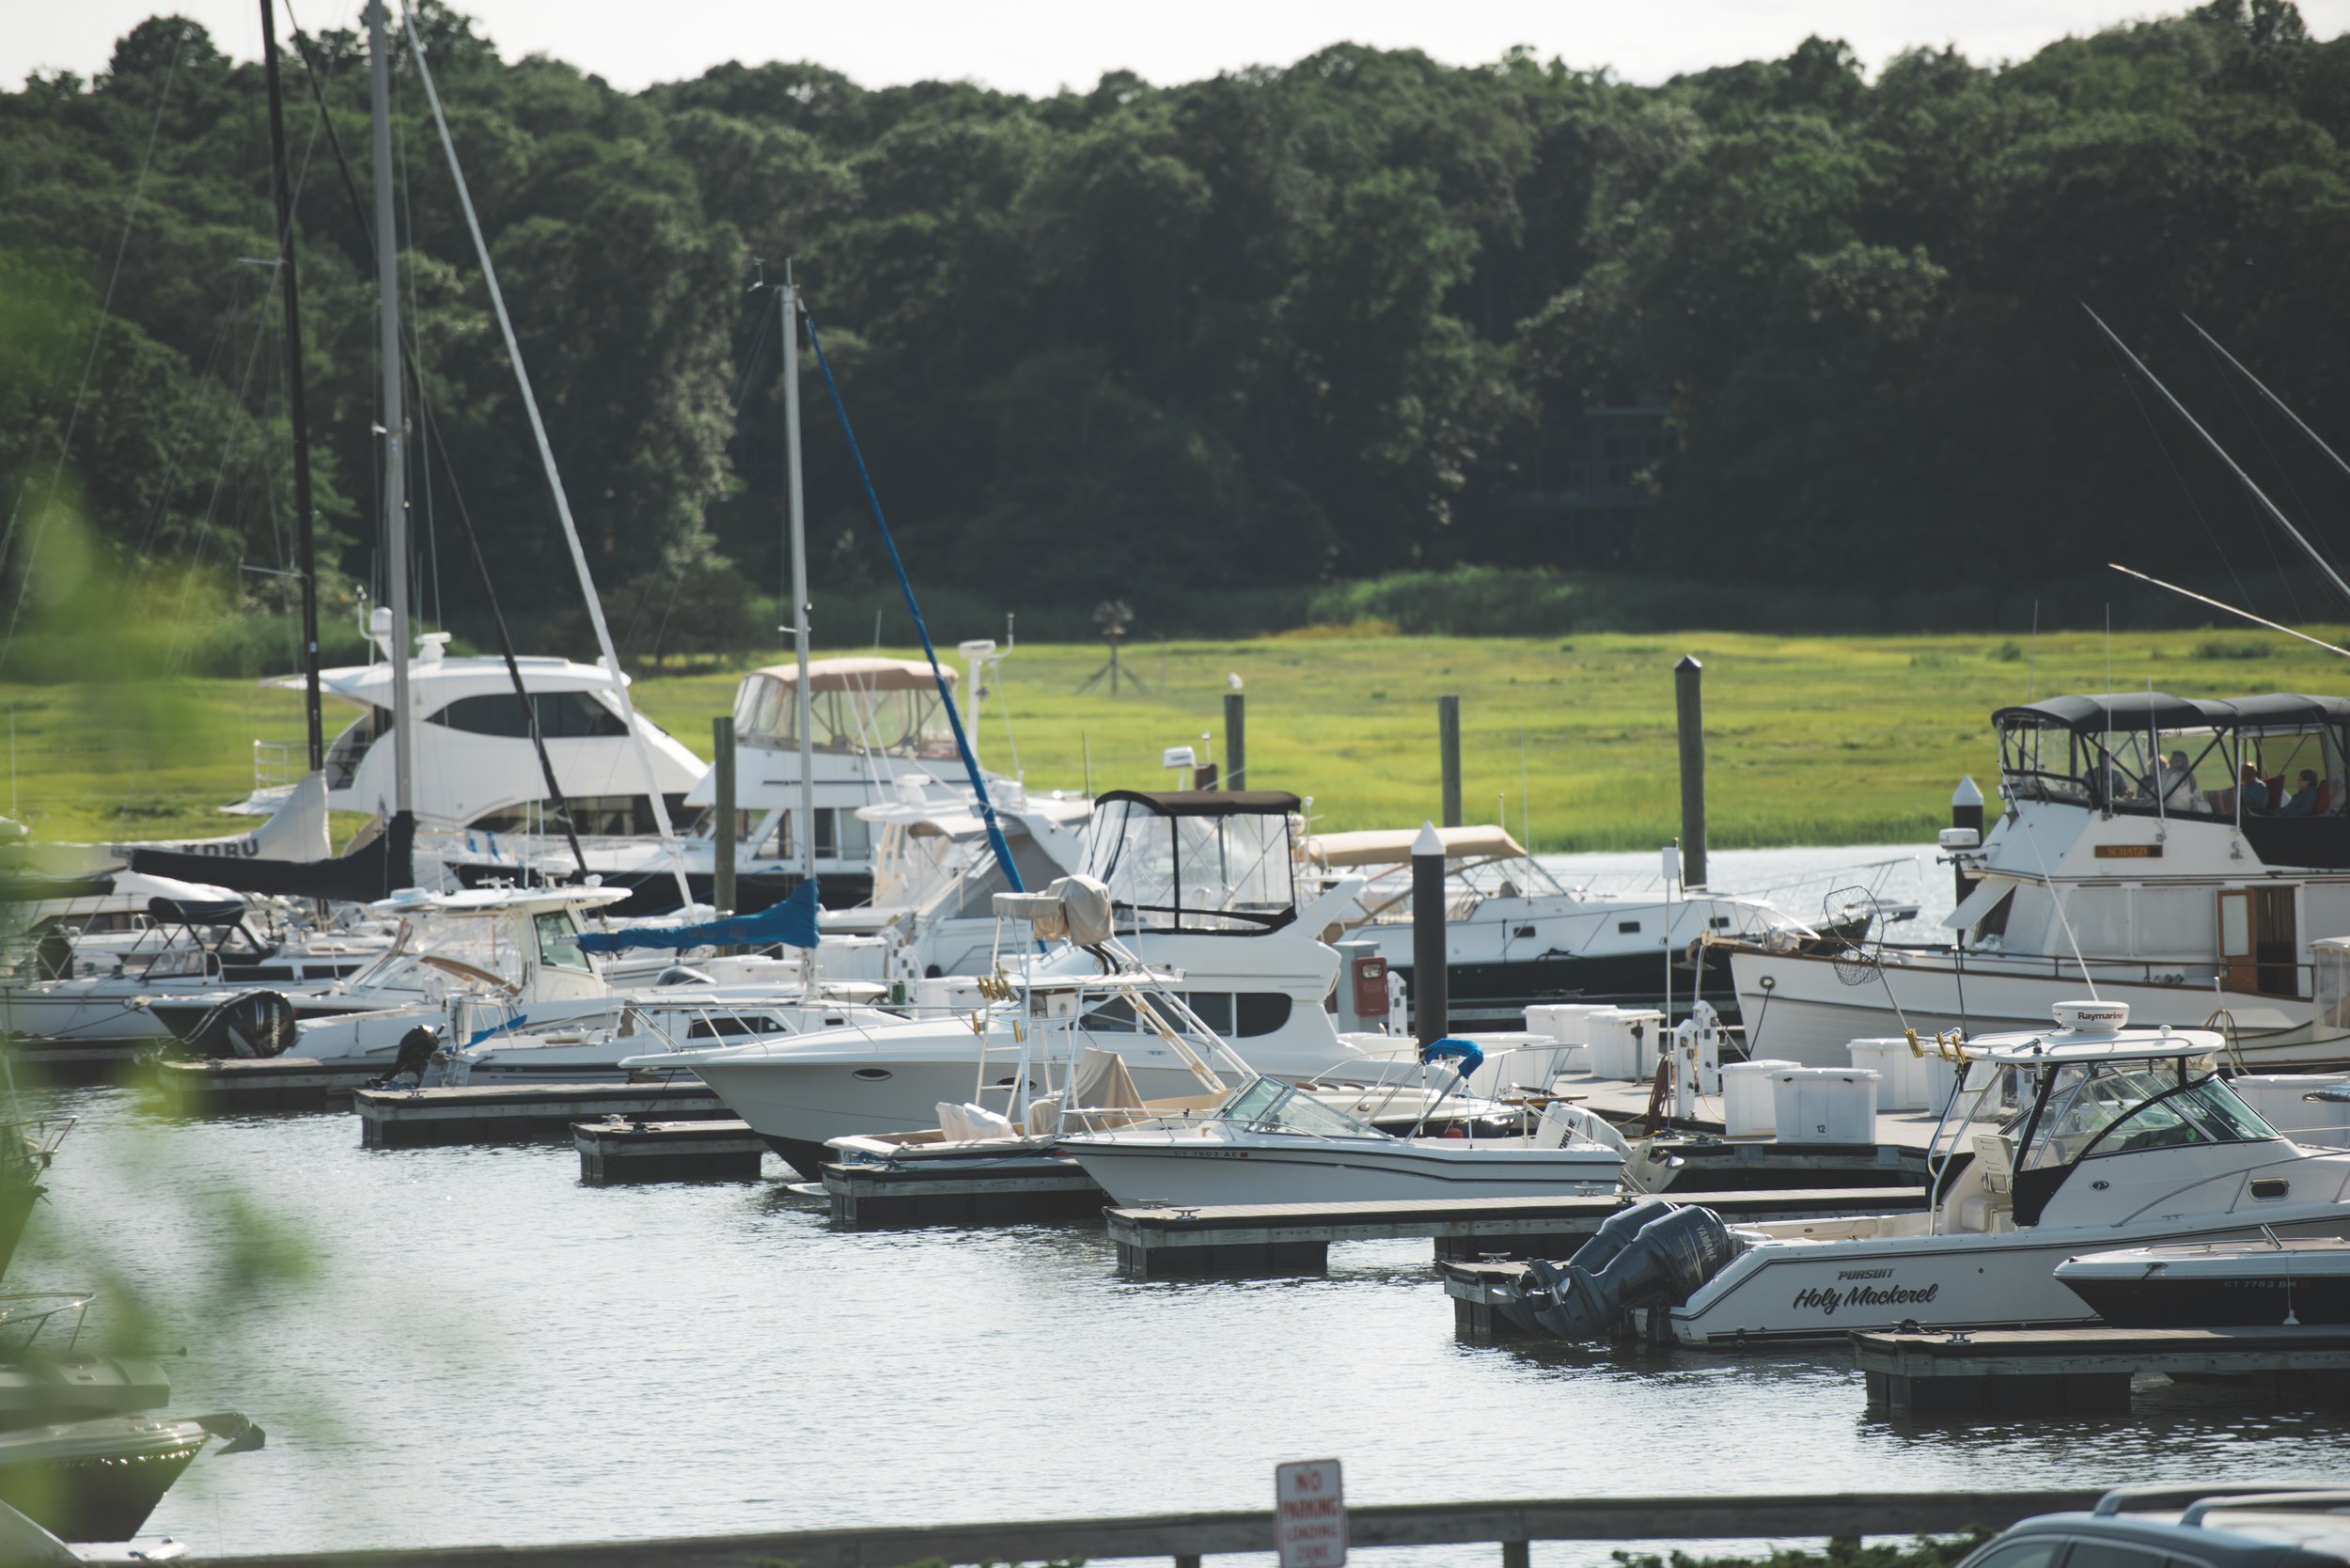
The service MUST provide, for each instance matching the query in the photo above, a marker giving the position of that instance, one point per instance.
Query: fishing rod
(2241, 477)
(2221, 604)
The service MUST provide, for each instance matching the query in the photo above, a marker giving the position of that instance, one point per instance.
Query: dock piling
(1235, 740)
(1449, 747)
(1689, 709)
(1430, 983)
(723, 836)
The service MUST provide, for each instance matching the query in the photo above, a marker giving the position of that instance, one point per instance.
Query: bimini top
(496, 901)
(1392, 846)
(860, 675)
(2134, 713)
(1207, 803)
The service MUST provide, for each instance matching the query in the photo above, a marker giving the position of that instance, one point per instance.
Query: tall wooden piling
(1448, 746)
(1235, 740)
(1432, 1000)
(722, 840)
(1689, 704)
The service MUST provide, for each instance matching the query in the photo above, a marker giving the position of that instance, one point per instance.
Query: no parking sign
(1309, 1513)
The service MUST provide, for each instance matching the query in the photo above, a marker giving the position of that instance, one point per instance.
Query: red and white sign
(1309, 1513)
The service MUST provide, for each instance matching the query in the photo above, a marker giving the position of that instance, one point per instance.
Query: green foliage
(1223, 349)
(1926, 1551)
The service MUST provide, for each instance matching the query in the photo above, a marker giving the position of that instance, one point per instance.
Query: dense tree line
(1163, 343)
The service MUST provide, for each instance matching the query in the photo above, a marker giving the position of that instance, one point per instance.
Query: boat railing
(24, 1316)
(2197, 973)
(278, 765)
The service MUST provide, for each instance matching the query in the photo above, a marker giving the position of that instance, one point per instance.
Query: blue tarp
(793, 922)
(1464, 1053)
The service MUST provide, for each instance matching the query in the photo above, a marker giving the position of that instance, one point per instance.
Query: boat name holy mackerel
(1829, 1300)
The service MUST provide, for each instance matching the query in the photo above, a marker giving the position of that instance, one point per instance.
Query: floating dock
(275, 1083)
(1010, 1190)
(499, 1113)
(622, 1148)
(69, 1063)
(1294, 1238)
(1999, 1372)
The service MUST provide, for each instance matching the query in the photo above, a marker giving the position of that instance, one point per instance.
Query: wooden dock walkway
(1015, 1189)
(274, 1083)
(2008, 1371)
(493, 1113)
(622, 1149)
(1294, 1238)
(1512, 1526)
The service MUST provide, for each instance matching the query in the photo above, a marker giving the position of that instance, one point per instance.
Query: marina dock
(420, 1118)
(276, 1083)
(1998, 1373)
(622, 1148)
(1013, 1190)
(1294, 1238)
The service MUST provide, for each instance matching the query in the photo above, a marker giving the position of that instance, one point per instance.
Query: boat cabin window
(1193, 867)
(2329, 967)
(592, 816)
(908, 722)
(2118, 1108)
(561, 717)
(559, 941)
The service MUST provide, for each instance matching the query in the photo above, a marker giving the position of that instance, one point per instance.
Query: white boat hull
(1133, 1168)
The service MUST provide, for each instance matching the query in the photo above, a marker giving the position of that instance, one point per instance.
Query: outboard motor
(418, 1047)
(255, 1026)
(1653, 1254)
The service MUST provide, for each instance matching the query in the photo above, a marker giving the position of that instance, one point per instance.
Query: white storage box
(1937, 1075)
(1624, 1042)
(1563, 1021)
(1747, 1110)
(1889, 1058)
(2279, 1099)
(1824, 1104)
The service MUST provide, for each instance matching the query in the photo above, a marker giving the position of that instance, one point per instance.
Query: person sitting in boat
(2249, 795)
(2174, 783)
(2304, 801)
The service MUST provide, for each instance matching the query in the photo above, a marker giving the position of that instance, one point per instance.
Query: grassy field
(1810, 740)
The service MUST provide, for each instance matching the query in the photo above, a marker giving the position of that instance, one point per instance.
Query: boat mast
(790, 298)
(395, 465)
(304, 536)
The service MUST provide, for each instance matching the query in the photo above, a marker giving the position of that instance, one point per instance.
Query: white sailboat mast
(799, 572)
(395, 419)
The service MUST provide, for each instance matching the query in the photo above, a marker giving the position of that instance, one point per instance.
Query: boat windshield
(1269, 1106)
(2122, 1107)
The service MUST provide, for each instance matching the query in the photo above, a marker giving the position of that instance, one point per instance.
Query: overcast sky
(1035, 46)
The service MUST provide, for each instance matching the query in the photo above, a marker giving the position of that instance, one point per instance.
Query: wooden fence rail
(1188, 1537)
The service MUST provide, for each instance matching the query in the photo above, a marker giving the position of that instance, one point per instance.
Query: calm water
(477, 1348)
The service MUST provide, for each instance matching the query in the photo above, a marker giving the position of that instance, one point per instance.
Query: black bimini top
(2137, 711)
(1208, 803)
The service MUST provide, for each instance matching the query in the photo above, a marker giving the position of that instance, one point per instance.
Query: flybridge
(2272, 766)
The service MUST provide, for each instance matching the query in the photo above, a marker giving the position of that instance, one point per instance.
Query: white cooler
(1747, 1110)
(2277, 1098)
(1889, 1058)
(1565, 1023)
(1824, 1104)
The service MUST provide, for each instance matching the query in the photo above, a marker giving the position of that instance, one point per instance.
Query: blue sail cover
(793, 922)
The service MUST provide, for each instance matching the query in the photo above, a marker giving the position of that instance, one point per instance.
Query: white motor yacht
(2178, 856)
(1203, 886)
(878, 728)
(2085, 1138)
(1514, 936)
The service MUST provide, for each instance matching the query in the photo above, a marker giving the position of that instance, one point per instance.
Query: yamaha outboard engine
(1653, 1254)
(258, 1023)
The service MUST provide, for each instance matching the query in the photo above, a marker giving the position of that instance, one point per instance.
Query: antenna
(2221, 604)
(2031, 653)
(2241, 477)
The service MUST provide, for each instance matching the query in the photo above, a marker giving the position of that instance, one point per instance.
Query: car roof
(2241, 1525)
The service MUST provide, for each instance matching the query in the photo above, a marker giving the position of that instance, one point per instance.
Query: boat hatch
(1207, 862)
